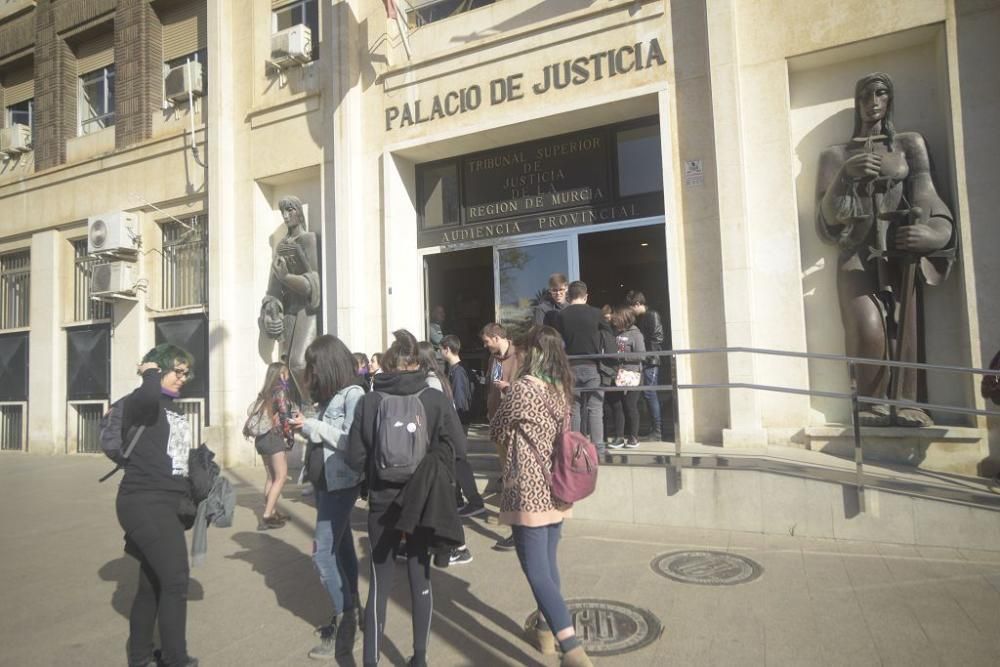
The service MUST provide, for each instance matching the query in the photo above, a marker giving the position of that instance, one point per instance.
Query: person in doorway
(472, 503)
(361, 369)
(584, 331)
(651, 327)
(527, 421)
(331, 374)
(435, 331)
(625, 404)
(374, 367)
(150, 493)
(500, 371)
(275, 404)
(421, 506)
(553, 301)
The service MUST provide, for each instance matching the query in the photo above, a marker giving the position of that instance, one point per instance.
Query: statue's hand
(280, 268)
(919, 238)
(274, 327)
(863, 166)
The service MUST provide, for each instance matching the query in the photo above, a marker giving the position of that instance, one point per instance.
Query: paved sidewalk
(67, 587)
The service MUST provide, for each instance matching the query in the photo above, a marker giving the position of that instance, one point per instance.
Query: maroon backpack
(572, 475)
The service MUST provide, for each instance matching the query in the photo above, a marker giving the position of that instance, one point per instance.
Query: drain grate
(607, 628)
(707, 568)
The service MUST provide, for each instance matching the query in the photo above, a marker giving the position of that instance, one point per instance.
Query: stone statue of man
(877, 202)
(288, 312)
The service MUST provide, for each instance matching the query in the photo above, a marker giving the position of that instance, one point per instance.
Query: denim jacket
(332, 430)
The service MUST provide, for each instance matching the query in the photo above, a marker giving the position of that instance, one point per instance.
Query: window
(22, 112)
(97, 100)
(200, 56)
(15, 289)
(301, 12)
(185, 263)
(85, 308)
(88, 362)
(439, 200)
(423, 12)
(640, 167)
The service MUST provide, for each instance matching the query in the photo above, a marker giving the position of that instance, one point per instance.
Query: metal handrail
(853, 396)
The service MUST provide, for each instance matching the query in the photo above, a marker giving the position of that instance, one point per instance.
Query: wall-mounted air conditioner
(184, 80)
(115, 233)
(291, 46)
(15, 139)
(113, 279)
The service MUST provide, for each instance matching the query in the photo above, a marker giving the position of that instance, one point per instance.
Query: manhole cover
(708, 568)
(610, 628)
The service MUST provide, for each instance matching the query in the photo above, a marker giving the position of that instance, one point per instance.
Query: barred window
(15, 289)
(85, 308)
(185, 263)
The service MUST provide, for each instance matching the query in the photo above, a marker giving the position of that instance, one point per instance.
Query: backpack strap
(131, 445)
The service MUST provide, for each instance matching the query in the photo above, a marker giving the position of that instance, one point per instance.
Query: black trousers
(418, 566)
(465, 478)
(155, 537)
(625, 411)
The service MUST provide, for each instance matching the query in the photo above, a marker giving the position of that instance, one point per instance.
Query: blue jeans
(588, 399)
(333, 547)
(536, 551)
(650, 376)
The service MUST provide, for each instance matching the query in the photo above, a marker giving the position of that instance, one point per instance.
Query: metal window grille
(13, 426)
(193, 409)
(15, 289)
(88, 427)
(85, 308)
(185, 263)
(422, 12)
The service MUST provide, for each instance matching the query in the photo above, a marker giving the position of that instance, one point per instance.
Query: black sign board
(88, 363)
(532, 178)
(14, 367)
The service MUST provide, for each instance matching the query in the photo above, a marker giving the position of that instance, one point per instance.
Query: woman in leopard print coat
(530, 416)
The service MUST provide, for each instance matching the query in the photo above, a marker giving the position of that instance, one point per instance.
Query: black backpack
(112, 437)
(401, 437)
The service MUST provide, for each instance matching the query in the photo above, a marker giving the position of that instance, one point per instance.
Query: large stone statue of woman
(288, 312)
(877, 202)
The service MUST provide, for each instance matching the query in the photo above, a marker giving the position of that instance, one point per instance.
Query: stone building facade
(646, 144)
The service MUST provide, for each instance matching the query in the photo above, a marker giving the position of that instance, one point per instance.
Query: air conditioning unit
(15, 139)
(183, 80)
(115, 233)
(291, 46)
(113, 278)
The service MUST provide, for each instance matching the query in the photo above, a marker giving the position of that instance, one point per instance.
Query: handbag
(627, 378)
(257, 423)
(572, 474)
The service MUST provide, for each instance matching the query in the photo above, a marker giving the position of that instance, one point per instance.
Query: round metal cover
(708, 568)
(606, 627)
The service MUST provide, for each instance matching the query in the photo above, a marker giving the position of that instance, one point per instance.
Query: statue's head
(291, 212)
(873, 100)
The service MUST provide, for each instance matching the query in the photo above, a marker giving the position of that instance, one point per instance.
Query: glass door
(521, 278)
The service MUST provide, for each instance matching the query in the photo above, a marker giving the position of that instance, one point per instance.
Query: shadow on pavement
(124, 573)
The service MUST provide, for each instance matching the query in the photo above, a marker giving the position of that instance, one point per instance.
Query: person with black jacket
(422, 507)
(651, 326)
(584, 331)
(149, 496)
(552, 301)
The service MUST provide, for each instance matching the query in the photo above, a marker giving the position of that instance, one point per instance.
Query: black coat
(427, 503)
(651, 326)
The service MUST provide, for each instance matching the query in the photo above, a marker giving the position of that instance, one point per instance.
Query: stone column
(47, 346)
(55, 90)
(138, 71)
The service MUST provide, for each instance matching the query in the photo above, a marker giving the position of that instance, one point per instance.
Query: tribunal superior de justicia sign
(577, 71)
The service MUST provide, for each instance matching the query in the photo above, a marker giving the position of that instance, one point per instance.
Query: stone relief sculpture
(877, 202)
(288, 311)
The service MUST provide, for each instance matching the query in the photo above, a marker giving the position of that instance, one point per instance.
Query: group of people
(606, 391)
(392, 429)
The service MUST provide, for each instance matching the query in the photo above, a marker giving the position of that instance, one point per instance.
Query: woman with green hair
(148, 499)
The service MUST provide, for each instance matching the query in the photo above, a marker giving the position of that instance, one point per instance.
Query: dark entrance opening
(462, 282)
(616, 261)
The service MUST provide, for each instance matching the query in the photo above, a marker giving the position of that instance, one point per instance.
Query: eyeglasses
(557, 289)
(182, 373)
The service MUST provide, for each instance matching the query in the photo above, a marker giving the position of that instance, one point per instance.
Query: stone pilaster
(55, 89)
(138, 71)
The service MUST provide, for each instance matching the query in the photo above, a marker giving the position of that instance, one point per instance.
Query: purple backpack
(573, 474)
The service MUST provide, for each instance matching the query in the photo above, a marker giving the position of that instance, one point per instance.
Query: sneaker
(327, 649)
(414, 662)
(460, 556)
(617, 444)
(655, 435)
(399, 553)
(469, 510)
(505, 544)
(270, 523)
(347, 633)
(631, 443)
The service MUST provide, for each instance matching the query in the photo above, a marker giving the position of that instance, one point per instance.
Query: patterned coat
(528, 410)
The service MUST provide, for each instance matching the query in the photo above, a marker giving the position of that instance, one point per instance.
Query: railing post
(676, 479)
(856, 422)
